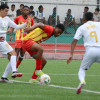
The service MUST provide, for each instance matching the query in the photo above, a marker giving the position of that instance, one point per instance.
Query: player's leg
(34, 76)
(38, 48)
(20, 58)
(7, 49)
(88, 60)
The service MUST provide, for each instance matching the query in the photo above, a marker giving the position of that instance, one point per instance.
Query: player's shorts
(92, 55)
(26, 45)
(5, 48)
(18, 44)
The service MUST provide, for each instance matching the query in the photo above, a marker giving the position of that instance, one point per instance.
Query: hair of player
(60, 26)
(3, 6)
(25, 7)
(89, 16)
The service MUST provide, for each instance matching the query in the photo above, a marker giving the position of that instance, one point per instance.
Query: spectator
(86, 9)
(96, 15)
(19, 11)
(52, 18)
(39, 15)
(69, 20)
(12, 12)
(32, 13)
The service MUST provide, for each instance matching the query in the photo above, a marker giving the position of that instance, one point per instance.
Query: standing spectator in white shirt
(96, 15)
(12, 12)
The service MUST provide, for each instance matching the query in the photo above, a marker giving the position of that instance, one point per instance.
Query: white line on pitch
(62, 74)
(57, 86)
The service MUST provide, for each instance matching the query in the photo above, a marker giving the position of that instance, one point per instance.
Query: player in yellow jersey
(31, 42)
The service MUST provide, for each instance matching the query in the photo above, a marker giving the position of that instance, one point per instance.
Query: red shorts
(18, 44)
(26, 45)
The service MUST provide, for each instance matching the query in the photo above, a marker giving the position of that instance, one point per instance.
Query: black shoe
(5, 80)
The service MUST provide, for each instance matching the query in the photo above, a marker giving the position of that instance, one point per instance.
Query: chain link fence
(54, 13)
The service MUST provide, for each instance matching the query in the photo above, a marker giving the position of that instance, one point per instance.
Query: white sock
(13, 63)
(81, 74)
(7, 70)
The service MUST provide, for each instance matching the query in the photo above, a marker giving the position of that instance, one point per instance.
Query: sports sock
(38, 64)
(81, 74)
(13, 63)
(34, 76)
(18, 63)
(7, 70)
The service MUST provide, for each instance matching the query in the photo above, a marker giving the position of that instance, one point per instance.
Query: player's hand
(29, 20)
(27, 30)
(69, 59)
(11, 37)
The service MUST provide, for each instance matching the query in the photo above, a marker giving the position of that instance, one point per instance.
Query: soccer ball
(45, 79)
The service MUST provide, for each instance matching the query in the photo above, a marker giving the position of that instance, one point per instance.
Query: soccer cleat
(16, 74)
(33, 81)
(81, 85)
(5, 80)
(39, 74)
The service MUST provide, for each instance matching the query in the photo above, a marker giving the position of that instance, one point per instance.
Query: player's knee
(13, 53)
(40, 50)
(44, 62)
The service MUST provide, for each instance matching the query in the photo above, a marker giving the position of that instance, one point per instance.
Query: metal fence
(60, 15)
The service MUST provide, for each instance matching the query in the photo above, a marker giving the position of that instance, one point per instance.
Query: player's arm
(36, 25)
(73, 45)
(77, 36)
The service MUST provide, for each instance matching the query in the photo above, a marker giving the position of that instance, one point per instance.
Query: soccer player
(39, 32)
(5, 48)
(20, 32)
(90, 31)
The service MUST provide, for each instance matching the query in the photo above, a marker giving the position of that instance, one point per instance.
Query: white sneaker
(81, 85)
(16, 74)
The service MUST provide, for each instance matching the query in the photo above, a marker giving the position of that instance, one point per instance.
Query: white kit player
(5, 48)
(90, 31)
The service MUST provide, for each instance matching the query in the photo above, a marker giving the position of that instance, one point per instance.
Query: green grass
(61, 74)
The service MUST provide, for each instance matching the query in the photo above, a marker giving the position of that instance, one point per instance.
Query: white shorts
(92, 55)
(5, 48)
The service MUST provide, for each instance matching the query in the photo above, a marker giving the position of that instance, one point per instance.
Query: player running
(20, 32)
(90, 31)
(31, 44)
(5, 48)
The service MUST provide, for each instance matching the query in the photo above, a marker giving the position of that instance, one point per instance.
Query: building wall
(62, 5)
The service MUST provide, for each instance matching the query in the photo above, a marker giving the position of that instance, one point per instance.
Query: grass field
(64, 80)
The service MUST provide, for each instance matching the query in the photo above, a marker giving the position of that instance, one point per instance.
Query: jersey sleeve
(49, 30)
(16, 20)
(12, 24)
(32, 22)
(78, 33)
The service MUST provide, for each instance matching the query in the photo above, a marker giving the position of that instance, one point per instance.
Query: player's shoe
(33, 81)
(39, 74)
(5, 80)
(81, 85)
(16, 74)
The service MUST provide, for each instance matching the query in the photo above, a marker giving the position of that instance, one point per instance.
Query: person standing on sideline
(90, 31)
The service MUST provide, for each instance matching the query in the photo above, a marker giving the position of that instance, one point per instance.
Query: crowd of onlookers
(39, 16)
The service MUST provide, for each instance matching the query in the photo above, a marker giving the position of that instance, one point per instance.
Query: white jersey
(5, 22)
(90, 31)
